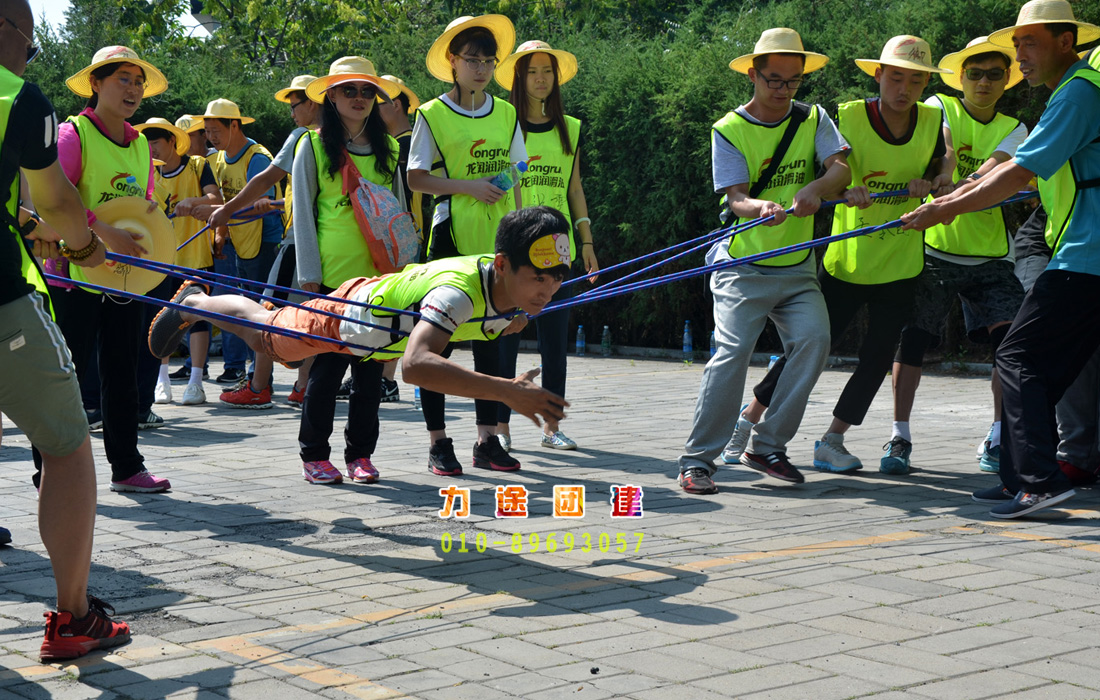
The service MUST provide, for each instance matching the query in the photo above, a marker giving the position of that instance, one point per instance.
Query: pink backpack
(387, 228)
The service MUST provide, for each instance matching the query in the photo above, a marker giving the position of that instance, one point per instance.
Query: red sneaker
(244, 397)
(67, 638)
(296, 396)
(1077, 476)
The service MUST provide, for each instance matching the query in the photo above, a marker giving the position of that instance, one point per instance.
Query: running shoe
(168, 327)
(193, 395)
(95, 420)
(985, 441)
(994, 495)
(68, 638)
(696, 480)
(1027, 503)
(390, 391)
(297, 396)
(184, 373)
(775, 465)
(1076, 475)
(361, 471)
(244, 397)
(896, 459)
(990, 461)
(150, 421)
(491, 455)
(442, 460)
(321, 472)
(5, 535)
(231, 376)
(142, 482)
(344, 392)
(742, 430)
(505, 441)
(830, 455)
(556, 441)
(162, 393)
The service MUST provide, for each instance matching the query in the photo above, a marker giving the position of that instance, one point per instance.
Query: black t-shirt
(31, 143)
(1031, 237)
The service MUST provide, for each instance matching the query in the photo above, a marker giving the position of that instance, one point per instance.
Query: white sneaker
(983, 443)
(193, 395)
(830, 455)
(742, 430)
(162, 393)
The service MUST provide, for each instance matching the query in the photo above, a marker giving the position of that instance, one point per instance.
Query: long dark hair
(553, 104)
(334, 138)
(102, 73)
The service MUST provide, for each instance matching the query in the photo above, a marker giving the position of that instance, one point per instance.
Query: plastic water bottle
(506, 179)
(580, 341)
(713, 345)
(416, 397)
(605, 342)
(772, 360)
(689, 352)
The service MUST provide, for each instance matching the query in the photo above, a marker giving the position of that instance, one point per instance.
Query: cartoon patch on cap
(550, 251)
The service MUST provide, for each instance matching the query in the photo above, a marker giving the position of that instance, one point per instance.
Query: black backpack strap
(800, 112)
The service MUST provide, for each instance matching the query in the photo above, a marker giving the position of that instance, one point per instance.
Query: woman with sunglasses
(105, 157)
(533, 75)
(351, 143)
(461, 140)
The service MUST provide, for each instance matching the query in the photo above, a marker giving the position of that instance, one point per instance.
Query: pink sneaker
(361, 471)
(142, 482)
(322, 472)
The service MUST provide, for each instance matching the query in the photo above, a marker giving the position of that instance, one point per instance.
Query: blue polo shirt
(1069, 131)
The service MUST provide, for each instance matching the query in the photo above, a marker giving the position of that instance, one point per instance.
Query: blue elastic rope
(217, 316)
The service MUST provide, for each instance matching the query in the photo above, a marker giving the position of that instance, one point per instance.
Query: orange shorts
(283, 348)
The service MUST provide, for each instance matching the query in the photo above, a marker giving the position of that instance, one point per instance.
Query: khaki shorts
(38, 386)
(284, 348)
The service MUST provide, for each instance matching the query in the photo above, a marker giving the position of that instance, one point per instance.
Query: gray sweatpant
(744, 298)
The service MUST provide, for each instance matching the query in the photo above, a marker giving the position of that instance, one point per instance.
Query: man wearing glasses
(34, 361)
(973, 256)
(764, 155)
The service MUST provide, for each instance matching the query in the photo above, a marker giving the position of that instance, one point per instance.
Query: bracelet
(582, 220)
(81, 254)
(587, 243)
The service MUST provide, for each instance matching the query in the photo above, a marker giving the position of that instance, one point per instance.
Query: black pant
(889, 306)
(319, 407)
(553, 337)
(1055, 333)
(94, 321)
(486, 361)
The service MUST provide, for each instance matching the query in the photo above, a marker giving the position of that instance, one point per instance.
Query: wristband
(587, 243)
(582, 220)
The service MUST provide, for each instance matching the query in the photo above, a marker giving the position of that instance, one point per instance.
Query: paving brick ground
(246, 582)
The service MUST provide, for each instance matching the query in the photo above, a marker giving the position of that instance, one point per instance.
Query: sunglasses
(32, 50)
(976, 74)
(367, 92)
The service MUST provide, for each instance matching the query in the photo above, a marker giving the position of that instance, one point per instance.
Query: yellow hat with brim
(500, 26)
(1046, 12)
(905, 51)
(132, 214)
(81, 83)
(225, 109)
(567, 63)
(190, 123)
(779, 40)
(300, 83)
(414, 101)
(183, 139)
(351, 69)
(954, 62)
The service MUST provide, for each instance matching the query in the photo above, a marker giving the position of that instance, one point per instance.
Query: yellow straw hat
(225, 109)
(351, 69)
(81, 83)
(567, 63)
(905, 51)
(414, 101)
(300, 82)
(1046, 12)
(779, 40)
(954, 62)
(183, 139)
(190, 123)
(500, 26)
(132, 214)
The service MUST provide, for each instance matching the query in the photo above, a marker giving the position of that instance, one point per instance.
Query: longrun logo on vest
(487, 161)
(122, 185)
(542, 175)
(968, 164)
(785, 175)
(884, 186)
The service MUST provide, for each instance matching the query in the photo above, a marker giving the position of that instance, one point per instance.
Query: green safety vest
(549, 170)
(758, 142)
(980, 234)
(473, 148)
(1059, 192)
(232, 177)
(893, 254)
(406, 289)
(288, 195)
(108, 171)
(344, 251)
(10, 86)
(186, 184)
